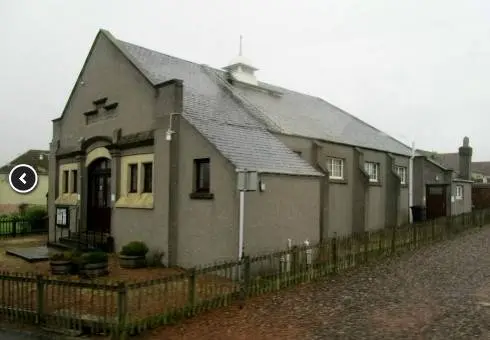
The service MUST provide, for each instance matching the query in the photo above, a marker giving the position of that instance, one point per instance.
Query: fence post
(122, 299)
(334, 252)
(245, 284)
(40, 299)
(14, 228)
(414, 227)
(366, 246)
(192, 287)
(393, 240)
(433, 230)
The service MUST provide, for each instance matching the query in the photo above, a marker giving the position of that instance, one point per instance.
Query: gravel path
(440, 292)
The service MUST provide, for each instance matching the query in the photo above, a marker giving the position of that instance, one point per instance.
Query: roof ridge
(167, 55)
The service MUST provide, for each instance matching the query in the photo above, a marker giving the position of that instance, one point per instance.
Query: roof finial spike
(240, 51)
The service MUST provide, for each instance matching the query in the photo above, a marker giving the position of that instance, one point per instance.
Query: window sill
(67, 199)
(135, 201)
(201, 195)
(337, 181)
(375, 184)
(404, 185)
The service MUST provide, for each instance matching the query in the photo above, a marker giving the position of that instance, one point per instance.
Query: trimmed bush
(94, 257)
(135, 248)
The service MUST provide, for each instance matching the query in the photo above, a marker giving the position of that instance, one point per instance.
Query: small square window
(373, 171)
(335, 167)
(401, 171)
(202, 175)
(66, 182)
(459, 192)
(74, 183)
(133, 178)
(147, 177)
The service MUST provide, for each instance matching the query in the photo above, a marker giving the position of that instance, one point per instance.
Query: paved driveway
(441, 292)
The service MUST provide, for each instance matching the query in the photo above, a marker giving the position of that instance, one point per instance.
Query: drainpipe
(410, 184)
(241, 222)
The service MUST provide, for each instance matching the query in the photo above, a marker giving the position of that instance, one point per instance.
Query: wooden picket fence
(122, 308)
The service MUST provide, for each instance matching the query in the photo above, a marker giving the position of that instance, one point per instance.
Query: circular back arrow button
(23, 178)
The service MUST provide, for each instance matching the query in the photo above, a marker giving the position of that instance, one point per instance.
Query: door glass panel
(435, 190)
(100, 192)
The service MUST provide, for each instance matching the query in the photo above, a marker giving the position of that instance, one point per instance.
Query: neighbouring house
(151, 147)
(443, 189)
(480, 171)
(480, 175)
(10, 200)
(481, 187)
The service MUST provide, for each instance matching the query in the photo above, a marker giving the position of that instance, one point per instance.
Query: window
(201, 167)
(65, 181)
(133, 178)
(459, 192)
(335, 167)
(373, 171)
(401, 171)
(147, 177)
(74, 179)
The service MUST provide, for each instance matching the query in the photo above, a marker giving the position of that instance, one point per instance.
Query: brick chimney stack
(465, 153)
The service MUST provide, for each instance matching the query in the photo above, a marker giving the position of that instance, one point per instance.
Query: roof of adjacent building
(451, 161)
(38, 159)
(431, 157)
(448, 161)
(239, 120)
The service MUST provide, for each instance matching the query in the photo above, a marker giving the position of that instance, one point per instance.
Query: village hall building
(155, 148)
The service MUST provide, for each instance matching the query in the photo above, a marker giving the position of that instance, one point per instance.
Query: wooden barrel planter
(131, 262)
(133, 255)
(60, 267)
(94, 269)
(94, 264)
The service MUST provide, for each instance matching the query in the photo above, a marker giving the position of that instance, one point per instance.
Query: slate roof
(31, 157)
(304, 115)
(218, 116)
(238, 120)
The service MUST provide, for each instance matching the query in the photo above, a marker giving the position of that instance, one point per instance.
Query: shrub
(35, 213)
(135, 248)
(65, 256)
(94, 257)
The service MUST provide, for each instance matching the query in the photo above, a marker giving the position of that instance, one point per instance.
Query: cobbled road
(438, 292)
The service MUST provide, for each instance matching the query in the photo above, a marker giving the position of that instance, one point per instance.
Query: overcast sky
(416, 69)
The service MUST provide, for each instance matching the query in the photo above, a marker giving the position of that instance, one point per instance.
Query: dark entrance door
(436, 201)
(99, 196)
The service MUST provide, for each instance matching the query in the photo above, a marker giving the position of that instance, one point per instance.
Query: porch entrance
(99, 196)
(436, 196)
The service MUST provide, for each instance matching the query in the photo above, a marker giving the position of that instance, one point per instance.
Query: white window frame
(459, 192)
(401, 171)
(372, 168)
(335, 165)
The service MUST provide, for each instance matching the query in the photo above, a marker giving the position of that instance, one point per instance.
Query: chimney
(465, 153)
